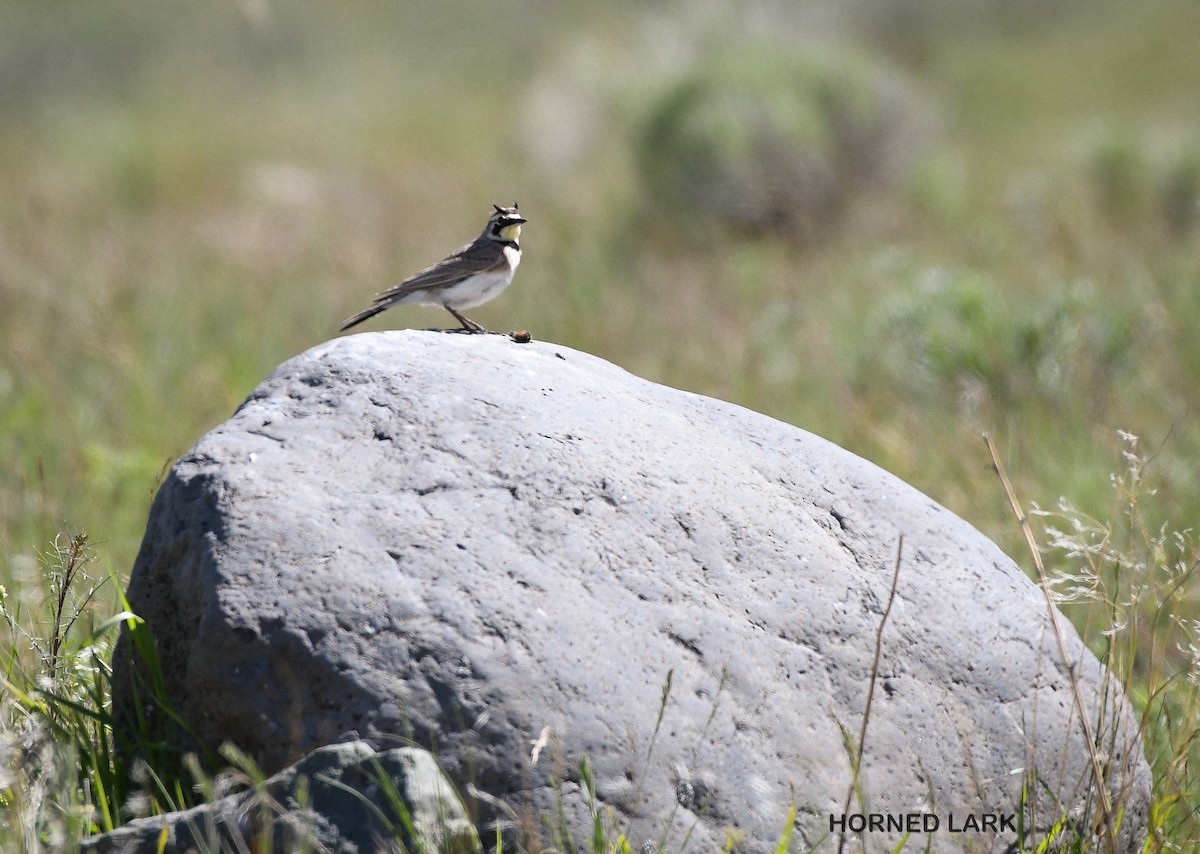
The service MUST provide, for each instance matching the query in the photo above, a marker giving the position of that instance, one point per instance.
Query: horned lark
(464, 279)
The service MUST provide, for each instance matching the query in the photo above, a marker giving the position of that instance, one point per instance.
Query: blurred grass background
(896, 224)
(191, 195)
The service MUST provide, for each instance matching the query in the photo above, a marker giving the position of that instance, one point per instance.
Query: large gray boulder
(521, 556)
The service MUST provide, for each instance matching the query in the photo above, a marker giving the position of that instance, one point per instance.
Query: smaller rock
(344, 798)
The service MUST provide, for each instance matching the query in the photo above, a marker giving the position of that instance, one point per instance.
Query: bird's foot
(468, 324)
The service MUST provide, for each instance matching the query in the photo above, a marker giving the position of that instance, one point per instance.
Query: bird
(467, 277)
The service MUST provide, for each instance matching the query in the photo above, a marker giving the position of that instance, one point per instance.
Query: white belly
(479, 289)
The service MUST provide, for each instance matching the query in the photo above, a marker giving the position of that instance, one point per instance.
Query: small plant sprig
(64, 567)
(61, 779)
(1105, 820)
(857, 748)
(1131, 585)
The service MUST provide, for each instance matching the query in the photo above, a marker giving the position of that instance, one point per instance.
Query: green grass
(191, 197)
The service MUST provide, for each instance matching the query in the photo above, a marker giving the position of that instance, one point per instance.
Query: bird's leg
(467, 323)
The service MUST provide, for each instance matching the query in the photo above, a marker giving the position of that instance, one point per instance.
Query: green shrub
(958, 335)
(1179, 192)
(765, 140)
(1120, 177)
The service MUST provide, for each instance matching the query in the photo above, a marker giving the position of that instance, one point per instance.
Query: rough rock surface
(340, 799)
(509, 553)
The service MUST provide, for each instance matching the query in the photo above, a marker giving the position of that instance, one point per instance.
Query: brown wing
(478, 257)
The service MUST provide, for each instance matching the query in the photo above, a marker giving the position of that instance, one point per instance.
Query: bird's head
(505, 224)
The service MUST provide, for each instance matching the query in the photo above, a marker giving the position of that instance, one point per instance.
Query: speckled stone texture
(479, 545)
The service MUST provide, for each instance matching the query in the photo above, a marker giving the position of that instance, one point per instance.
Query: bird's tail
(365, 314)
